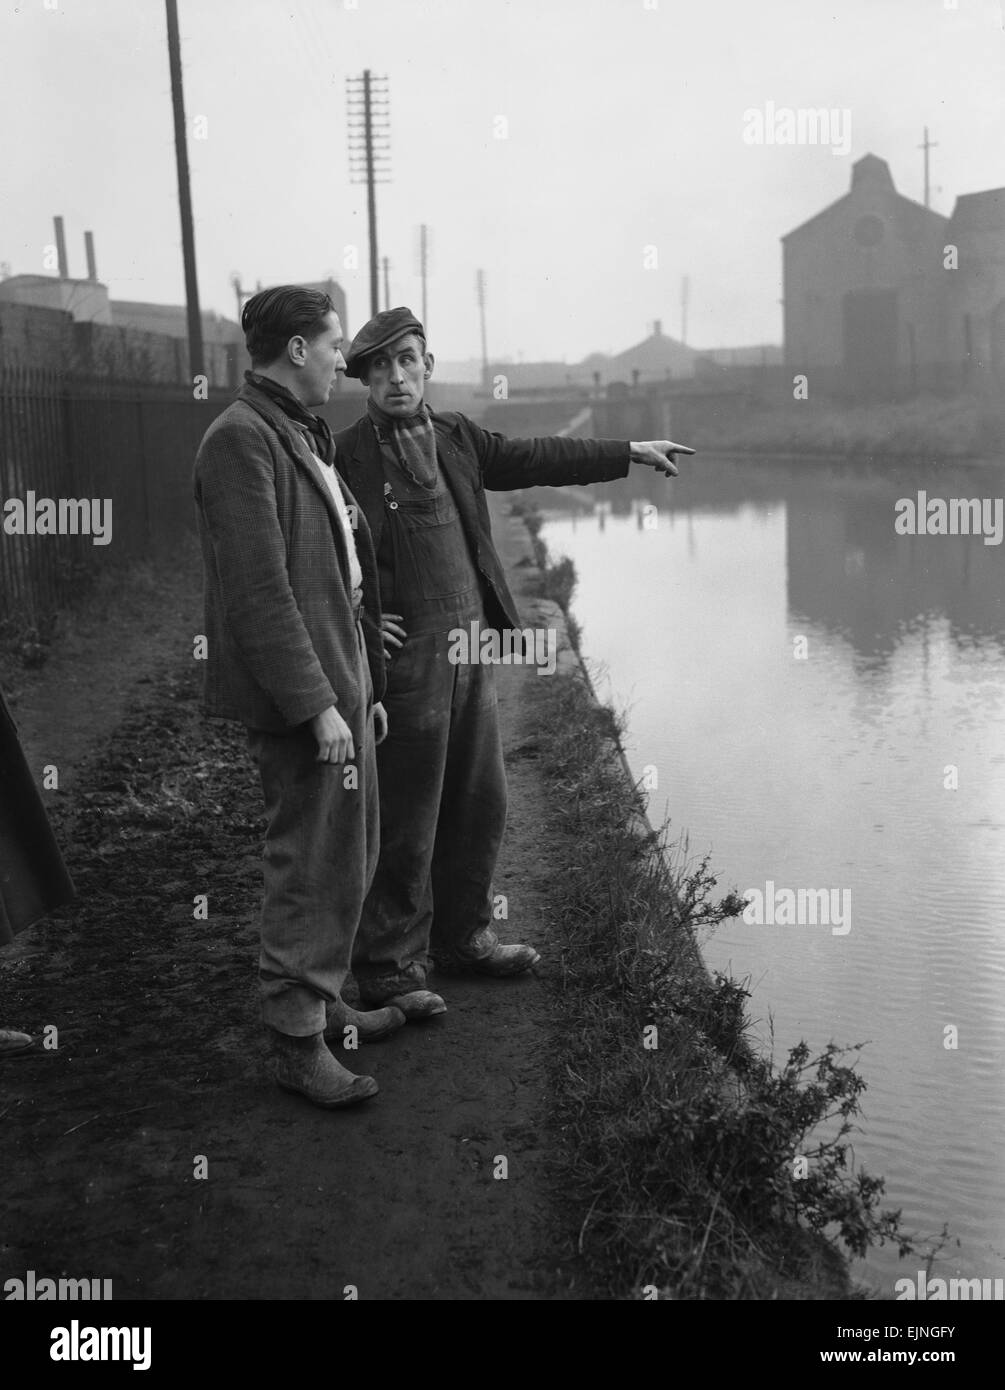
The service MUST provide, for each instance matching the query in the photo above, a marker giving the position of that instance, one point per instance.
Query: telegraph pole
(480, 291)
(424, 270)
(240, 293)
(367, 105)
(926, 146)
(195, 354)
(387, 289)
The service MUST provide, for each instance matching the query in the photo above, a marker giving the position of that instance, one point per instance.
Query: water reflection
(832, 772)
(846, 567)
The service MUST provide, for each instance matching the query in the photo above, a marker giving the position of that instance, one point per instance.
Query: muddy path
(150, 1147)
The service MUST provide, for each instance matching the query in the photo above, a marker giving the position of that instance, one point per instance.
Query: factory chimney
(92, 269)
(64, 273)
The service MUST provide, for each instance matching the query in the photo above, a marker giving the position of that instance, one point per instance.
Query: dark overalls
(442, 782)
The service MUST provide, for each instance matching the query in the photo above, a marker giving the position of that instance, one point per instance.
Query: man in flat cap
(295, 654)
(420, 478)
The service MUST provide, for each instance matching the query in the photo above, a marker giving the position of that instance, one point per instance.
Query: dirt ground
(160, 1069)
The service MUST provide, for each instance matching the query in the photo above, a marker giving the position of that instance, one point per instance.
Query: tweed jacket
(473, 460)
(278, 611)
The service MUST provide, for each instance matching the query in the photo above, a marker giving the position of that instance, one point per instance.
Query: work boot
(370, 1027)
(306, 1067)
(13, 1041)
(485, 954)
(419, 1003)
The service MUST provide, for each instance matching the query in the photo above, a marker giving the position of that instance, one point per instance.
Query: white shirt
(328, 473)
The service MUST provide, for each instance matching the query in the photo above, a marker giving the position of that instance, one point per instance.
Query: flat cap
(382, 330)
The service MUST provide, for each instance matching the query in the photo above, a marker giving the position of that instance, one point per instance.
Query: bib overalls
(442, 783)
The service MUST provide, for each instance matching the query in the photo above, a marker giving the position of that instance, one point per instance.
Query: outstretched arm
(507, 464)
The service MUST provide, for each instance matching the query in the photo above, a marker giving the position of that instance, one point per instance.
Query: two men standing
(303, 612)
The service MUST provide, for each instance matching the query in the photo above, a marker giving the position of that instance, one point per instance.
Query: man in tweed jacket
(294, 653)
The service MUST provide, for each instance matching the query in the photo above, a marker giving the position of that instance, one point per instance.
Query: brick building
(884, 297)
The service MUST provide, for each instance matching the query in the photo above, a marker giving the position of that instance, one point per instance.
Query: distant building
(873, 305)
(865, 291)
(466, 372)
(336, 294)
(86, 301)
(656, 358)
(172, 319)
(977, 306)
(756, 355)
(224, 353)
(526, 378)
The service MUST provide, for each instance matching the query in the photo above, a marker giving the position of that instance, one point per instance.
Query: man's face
(396, 375)
(322, 362)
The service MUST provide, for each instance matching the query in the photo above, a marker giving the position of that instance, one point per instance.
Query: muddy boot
(13, 1041)
(370, 1027)
(485, 954)
(419, 1003)
(306, 1067)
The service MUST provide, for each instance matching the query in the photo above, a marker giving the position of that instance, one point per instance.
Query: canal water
(821, 702)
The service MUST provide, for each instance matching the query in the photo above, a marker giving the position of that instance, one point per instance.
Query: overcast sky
(625, 130)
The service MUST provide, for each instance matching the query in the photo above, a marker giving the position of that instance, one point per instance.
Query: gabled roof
(868, 171)
(654, 354)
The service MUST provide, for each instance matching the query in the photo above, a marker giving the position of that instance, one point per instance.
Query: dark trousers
(320, 854)
(442, 814)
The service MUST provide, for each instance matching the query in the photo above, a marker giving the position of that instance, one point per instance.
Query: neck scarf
(319, 429)
(412, 442)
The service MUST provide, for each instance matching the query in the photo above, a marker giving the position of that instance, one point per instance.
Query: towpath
(160, 1070)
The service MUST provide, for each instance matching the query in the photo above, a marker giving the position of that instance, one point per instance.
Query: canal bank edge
(677, 1147)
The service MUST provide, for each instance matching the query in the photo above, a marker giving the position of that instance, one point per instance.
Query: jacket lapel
(302, 454)
(294, 441)
(362, 469)
(458, 476)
